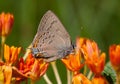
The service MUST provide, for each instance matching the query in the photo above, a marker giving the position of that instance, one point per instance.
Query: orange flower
(25, 66)
(80, 79)
(0, 27)
(39, 68)
(114, 53)
(31, 68)
(73, 61)
(11, 54)
(94, 59)
(22, 69)
(6, 23)
(99, 80)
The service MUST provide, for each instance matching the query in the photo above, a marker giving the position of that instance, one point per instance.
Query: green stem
(118, 77)
(32, 82)
(85, 70)
(3, 38)
(56, 73)
(89, 74)
(68, 77)
(47, 79)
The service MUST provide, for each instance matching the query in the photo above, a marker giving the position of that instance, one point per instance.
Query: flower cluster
(19, 69)
(86, 63)
(88, 51)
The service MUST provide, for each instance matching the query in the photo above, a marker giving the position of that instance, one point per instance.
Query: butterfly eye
(35, 51)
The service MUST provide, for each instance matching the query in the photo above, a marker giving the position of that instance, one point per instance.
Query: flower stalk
(3, 38)
(69, 77)
(56, 72)
(47, 79)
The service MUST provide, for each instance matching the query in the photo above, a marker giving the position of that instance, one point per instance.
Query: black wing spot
(45, 38)
(48, 32)
(44, 33)
(57, 30)
(53, 35)
(40, 45)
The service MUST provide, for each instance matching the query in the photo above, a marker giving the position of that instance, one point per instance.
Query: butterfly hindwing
(52, 39)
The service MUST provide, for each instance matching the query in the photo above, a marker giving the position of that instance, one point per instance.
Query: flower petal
(6, 53)
(7, 70)
(80, 79)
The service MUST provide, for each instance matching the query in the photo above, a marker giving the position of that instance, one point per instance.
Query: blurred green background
(98, 20)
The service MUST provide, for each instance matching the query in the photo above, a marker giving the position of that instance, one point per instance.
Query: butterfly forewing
(51, 40)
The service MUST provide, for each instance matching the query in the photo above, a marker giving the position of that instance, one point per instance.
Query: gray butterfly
(51, 41)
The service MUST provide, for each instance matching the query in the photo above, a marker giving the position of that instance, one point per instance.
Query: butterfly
(51, 41)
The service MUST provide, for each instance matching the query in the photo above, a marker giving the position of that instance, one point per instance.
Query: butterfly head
(35, 52)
